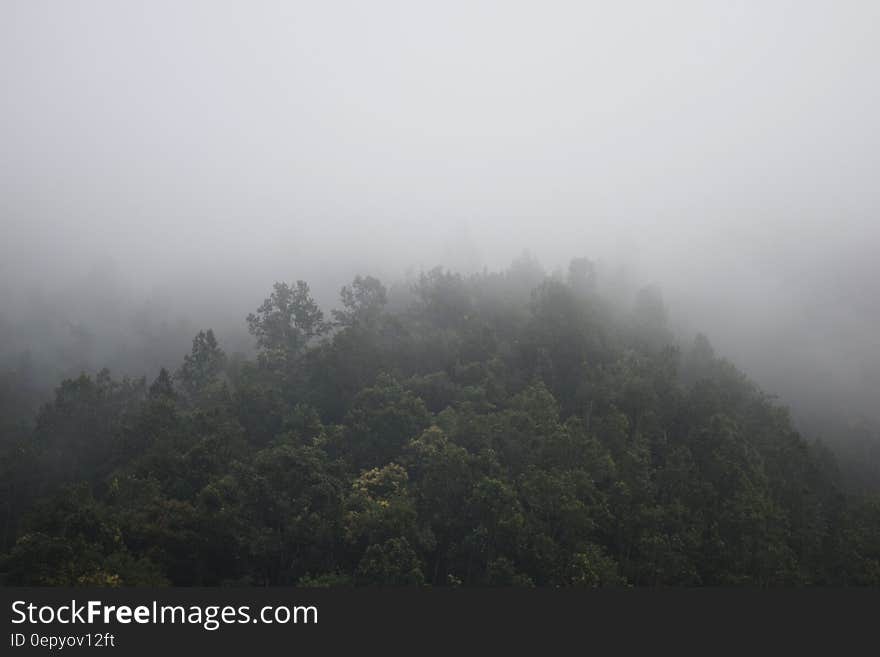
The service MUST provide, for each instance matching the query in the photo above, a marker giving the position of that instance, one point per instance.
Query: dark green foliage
(504, 429)
(286, 321)
(201, 368)
(362, 302)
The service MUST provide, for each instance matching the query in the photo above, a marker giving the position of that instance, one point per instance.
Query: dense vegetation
(497, 429)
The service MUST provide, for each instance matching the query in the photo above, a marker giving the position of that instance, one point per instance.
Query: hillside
(499, 429)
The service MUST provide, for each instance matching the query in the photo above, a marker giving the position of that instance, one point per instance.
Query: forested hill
(499, 429)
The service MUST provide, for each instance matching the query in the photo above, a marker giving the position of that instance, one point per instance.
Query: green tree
(286, 321)
(362, 302)
(202, 367)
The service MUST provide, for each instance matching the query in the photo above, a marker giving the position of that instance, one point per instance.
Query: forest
(507, 428)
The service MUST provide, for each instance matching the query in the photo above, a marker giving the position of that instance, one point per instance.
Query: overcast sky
(728, 151)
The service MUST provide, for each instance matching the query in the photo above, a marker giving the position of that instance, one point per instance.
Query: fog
(163, 163)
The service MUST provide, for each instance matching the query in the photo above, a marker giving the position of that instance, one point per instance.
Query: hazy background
(163, 163)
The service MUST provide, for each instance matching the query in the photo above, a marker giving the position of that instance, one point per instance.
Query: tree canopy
(501, 429)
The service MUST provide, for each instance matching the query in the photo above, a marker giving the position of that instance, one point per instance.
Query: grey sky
(725, 150)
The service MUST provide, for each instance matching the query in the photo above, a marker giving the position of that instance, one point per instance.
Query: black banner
(239, 621)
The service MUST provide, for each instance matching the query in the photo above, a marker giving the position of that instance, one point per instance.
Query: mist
(163, 164)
